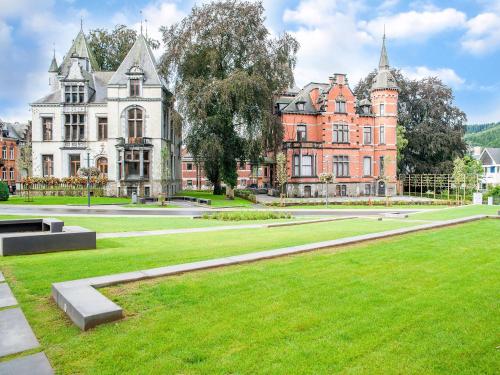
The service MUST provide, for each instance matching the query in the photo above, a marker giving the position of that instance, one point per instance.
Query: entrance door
(307, 191)
(381, 188)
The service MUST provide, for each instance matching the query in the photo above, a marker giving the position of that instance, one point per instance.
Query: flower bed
(66, 186)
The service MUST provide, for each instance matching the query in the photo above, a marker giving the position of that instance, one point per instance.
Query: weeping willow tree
(226, 68)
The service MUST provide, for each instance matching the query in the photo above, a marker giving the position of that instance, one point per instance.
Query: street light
(88, 177)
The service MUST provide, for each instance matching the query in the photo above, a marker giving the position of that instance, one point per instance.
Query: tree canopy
(110, 47)
(433, 125)
(225, 68)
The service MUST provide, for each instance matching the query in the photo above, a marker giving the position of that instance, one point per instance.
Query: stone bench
(208, 202)
(31, 236)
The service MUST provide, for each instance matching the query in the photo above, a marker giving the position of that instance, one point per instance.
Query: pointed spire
(81, 23)
(384, 60)
(53, 65)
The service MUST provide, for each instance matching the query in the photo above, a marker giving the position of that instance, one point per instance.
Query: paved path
(179, 212)
(214, 229)
(88, 308)
(16, 336)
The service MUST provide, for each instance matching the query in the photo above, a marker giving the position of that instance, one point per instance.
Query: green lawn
(217, 200)
(420, 303)
(128, 224)
(15, 199)
(457, 212)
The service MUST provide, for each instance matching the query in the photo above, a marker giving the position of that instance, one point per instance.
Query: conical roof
(53, 65)
(140, 56)
(384, 78)
(79, 48)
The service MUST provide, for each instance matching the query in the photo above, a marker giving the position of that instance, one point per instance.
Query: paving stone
(6, 297)
(35, 364)
(15, 332)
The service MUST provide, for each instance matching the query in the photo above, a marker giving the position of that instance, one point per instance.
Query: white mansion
(123, 119)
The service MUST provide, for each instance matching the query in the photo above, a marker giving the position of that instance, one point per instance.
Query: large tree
(110, 47)
(430, 126)
(225, 68)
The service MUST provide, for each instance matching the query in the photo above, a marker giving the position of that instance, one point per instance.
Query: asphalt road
(192, 211)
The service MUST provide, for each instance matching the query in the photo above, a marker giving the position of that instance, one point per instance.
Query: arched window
(4, 173)
(11, 152)
(135, 122)
(11, 172)
(4, 151)
(102, 166)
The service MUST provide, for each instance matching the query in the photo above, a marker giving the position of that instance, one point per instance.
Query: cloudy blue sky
(459, 41)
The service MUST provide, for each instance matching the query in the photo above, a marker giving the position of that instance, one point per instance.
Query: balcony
(74, 145)
(131, 142)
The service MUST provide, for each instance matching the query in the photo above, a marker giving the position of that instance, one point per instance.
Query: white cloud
(4, 34)
(483, 34)
(330, 41)
(447, 75)
(416, 25)
(160, 13)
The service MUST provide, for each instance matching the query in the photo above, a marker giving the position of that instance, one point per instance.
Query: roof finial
(141, 20)
(146, 21)
(81, 23)
(384, 60)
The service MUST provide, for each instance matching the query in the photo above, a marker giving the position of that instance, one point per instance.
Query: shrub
(247, 215)
(4, 191)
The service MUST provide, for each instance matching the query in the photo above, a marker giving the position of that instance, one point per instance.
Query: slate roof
(139, 55)
(80, 48)
(14, 130)
(494, 154)
(303, 96)
(384, 78)
(53, 65)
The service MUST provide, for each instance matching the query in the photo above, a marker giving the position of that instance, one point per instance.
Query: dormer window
(301, 105)
(74, 94)
(135, 87)
(136, 76)
(340, 106)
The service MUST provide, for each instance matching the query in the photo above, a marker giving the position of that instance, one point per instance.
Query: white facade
(122, 119)
(490, 158)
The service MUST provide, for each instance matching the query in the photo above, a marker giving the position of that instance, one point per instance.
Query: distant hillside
(484, 135)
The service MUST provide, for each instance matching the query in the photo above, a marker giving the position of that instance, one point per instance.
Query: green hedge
(247, 215)
(246, 194)
(388, 202)
(4, 191)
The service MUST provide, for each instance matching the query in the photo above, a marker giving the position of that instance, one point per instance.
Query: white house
(490, 158)
(123, 119)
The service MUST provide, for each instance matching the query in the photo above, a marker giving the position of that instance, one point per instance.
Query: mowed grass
(217, 200)
(420, 303)
(16, 199)
(456, 212)
(128, 224)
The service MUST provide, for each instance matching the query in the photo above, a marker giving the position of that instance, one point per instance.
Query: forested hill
(484, 135)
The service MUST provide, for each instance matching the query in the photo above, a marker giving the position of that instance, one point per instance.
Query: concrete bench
(53, 225)
(208, 202)
(31, 236)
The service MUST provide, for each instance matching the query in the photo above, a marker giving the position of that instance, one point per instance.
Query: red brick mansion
(327, 130)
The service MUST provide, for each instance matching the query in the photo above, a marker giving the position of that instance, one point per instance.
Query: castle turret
(53, 73)
(384, 100)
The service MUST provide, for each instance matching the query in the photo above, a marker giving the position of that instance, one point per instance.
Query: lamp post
(88, 178)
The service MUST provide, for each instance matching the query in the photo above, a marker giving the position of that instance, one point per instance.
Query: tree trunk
(229, 192)
(217, 189)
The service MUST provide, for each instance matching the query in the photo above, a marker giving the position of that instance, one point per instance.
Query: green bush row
(247, 215)
(388, 202)
(4, 191)
(246, 194)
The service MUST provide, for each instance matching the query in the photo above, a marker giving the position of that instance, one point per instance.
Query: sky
(457, 41)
